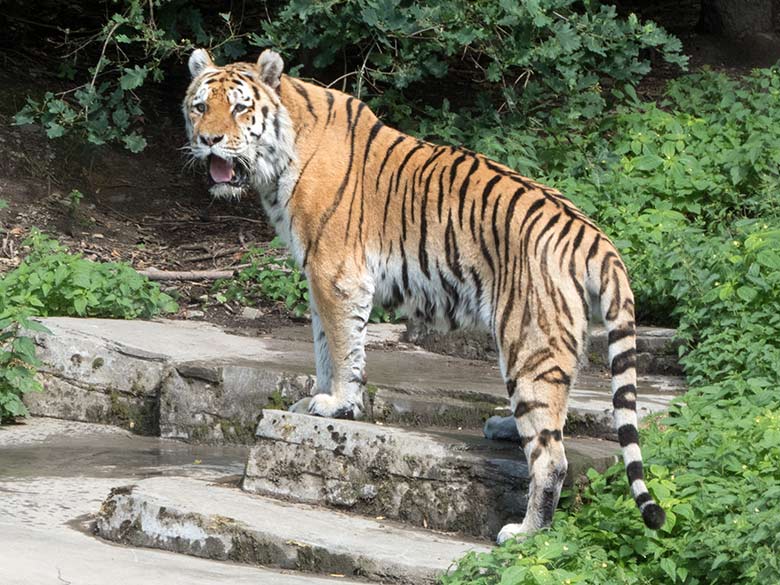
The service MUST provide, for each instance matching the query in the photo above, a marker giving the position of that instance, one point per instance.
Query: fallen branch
(154, 274)
(214, 255)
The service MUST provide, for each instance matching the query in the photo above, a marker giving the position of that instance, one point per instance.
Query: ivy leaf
(54, 130)
(567, 38)
(134, 142)
(132, 78)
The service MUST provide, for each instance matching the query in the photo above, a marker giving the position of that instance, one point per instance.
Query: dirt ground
(146, 209)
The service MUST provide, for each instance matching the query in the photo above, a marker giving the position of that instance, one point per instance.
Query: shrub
(134, 46)
(529, 53)
(49, 281)
(520, 56)
(17, 363)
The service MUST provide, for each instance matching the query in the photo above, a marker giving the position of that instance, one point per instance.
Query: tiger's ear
(271, 66)
(199, 60)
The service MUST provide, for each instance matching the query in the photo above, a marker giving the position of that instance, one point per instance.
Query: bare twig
(102, 54)
(154, 274)
(213, 255)
(229, 217)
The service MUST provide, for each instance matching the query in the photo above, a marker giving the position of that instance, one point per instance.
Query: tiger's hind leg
(539, 403)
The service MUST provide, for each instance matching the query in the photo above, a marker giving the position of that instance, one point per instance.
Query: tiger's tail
(616, 301)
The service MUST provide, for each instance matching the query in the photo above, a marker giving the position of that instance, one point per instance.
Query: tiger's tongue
(221, 170)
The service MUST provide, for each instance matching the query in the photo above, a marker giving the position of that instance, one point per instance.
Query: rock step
(217, 522)
(657, 349)
(452, 482)
(193, 381)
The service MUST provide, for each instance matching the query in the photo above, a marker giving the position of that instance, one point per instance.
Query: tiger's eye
(238, 108)
(201, 107)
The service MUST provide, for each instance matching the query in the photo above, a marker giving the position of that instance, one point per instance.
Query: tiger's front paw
(501, 428)
(330, 407)
(301, 407)
(519, 531)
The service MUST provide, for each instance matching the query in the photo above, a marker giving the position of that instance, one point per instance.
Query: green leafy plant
(17, 363)
(271, 275)
(133, 48)
(49, 282)
(527, 54)
(521, 57)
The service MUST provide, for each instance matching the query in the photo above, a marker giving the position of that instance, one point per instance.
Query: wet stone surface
(54, 477)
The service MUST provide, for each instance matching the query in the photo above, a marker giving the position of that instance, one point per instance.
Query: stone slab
(657, 349)
(446, 481)
(194, 381)
(54, 475)
(216, 522)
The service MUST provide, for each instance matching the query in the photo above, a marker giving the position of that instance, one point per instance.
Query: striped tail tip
(653, 515)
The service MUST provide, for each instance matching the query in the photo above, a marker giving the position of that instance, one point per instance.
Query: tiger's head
(236, 122)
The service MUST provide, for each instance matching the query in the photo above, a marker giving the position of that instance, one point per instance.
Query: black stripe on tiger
(623, 361)
(634, 471)
(463, 191)
(617, 334)
(305, 95)
(524, 407)
(621, 397)
(627, 434)
(554, 375)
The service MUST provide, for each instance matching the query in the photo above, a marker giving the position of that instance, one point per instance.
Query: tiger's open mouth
(226, 172)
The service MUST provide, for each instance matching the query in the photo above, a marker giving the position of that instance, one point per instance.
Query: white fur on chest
(275, 198)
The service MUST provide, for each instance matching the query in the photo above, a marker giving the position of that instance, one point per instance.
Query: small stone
(251, 313)
(195, 314)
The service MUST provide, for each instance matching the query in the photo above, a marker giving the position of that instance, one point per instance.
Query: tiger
(373, 215)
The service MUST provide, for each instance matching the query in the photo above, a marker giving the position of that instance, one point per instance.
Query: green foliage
(74, 200)
(689, 190)
(271, 275)
(17, 363)
(49, 282)
(52, 282)
(661, 179)
(520, 56)
(134, 47)
(529, 53)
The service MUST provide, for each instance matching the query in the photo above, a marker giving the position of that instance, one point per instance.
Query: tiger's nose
(211, 140)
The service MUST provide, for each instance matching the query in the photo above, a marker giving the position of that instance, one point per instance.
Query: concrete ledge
(194, 381)
(195, 518)
(451, 482)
